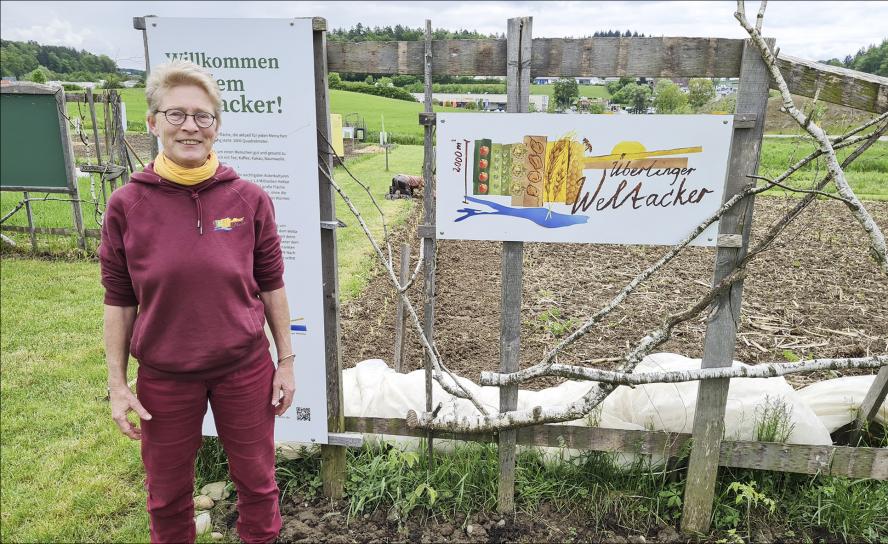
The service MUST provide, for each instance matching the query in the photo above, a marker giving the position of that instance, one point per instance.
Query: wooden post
(332, 457)
(92, 115)
(872, 402)
(400, 322)
(139, 23)
(73, 186)
(518, 97)
(31, 230)
(428, 241)
(721, 329)
(106, 123)
(120, 143)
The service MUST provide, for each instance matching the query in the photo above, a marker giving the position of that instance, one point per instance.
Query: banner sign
(612, 179)
(265, 70)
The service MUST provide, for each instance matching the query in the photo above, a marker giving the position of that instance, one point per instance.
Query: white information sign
(615, 179)
(265, 70)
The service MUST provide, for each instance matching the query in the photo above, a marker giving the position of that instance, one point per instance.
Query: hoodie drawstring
(196, 197)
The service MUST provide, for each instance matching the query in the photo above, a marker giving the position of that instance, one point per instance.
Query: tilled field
(814, 293)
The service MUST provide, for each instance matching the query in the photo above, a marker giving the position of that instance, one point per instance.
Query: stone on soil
(203, 502)
(203, 523)
(215, 535)
(216, 491)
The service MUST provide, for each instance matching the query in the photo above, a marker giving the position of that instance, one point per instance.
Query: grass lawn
(357, 261)
(68, 473)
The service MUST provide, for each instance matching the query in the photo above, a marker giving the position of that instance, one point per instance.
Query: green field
(868, 175)
(136, 108)
(591, 91)
(401, 117)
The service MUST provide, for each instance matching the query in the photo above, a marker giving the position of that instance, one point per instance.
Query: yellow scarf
(169, 170)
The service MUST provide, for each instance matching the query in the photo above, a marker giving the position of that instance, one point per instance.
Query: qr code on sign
(303, 414)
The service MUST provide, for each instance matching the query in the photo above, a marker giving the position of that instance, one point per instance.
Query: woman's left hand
(283, 387)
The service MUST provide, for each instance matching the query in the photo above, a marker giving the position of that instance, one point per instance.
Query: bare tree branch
(760, 18)
(765, 370)
(878, 249)
(453, 385)
(794, 190)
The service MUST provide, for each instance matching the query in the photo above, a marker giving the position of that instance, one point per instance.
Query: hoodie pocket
(258, 329)
(136, 338)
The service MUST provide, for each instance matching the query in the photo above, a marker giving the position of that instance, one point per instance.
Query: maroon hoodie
(193, 259)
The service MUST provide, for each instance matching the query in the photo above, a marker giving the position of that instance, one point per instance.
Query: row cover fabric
(808, 416)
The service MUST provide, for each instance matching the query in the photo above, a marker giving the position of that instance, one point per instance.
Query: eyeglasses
(177, 117)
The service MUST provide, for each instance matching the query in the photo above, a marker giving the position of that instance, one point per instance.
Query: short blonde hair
(180, 72)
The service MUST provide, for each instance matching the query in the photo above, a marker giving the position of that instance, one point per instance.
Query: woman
(191, 261)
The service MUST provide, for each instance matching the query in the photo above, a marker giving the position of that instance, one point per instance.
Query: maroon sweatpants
(244, 418)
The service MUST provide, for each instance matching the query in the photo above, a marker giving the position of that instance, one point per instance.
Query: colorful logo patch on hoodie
(228, 223)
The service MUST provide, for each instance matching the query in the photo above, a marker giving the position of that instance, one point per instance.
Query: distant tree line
(617, 34)
(872, 60)
(361, 33)
(22, 58)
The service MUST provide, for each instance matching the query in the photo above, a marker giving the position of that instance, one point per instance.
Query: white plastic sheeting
(837, 401)
(372, 389)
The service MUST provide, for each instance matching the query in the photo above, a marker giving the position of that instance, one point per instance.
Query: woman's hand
(283, 387)
(122, 402)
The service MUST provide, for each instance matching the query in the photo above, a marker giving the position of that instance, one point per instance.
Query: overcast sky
(812, 30)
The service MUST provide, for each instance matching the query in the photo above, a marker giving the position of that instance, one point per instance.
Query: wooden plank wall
(611, 57)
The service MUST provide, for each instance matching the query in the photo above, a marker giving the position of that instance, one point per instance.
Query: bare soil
(322, 520)
(815, 293)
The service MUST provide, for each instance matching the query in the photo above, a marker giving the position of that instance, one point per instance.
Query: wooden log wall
(611, 57)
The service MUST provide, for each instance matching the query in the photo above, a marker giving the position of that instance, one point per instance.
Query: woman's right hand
(122, 402)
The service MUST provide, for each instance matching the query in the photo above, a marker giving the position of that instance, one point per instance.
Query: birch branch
(878, 249)
(795, 190)
(764, 370)
(760, 18)
(385, 233)
(406, 286)
(454, 387)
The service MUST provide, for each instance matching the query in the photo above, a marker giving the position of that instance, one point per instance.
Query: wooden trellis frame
(111, 158)
(519, 57)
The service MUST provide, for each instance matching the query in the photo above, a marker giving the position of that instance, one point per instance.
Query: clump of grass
(211, 464)
(773, 421)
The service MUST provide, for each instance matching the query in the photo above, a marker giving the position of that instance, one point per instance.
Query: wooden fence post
(70, 170)
(518, 96)
(332, 457)
(429, 243)
(400, 323)
(120, 143)
(721, 330)
(872, 402)
(31, 232)
(95, 128)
